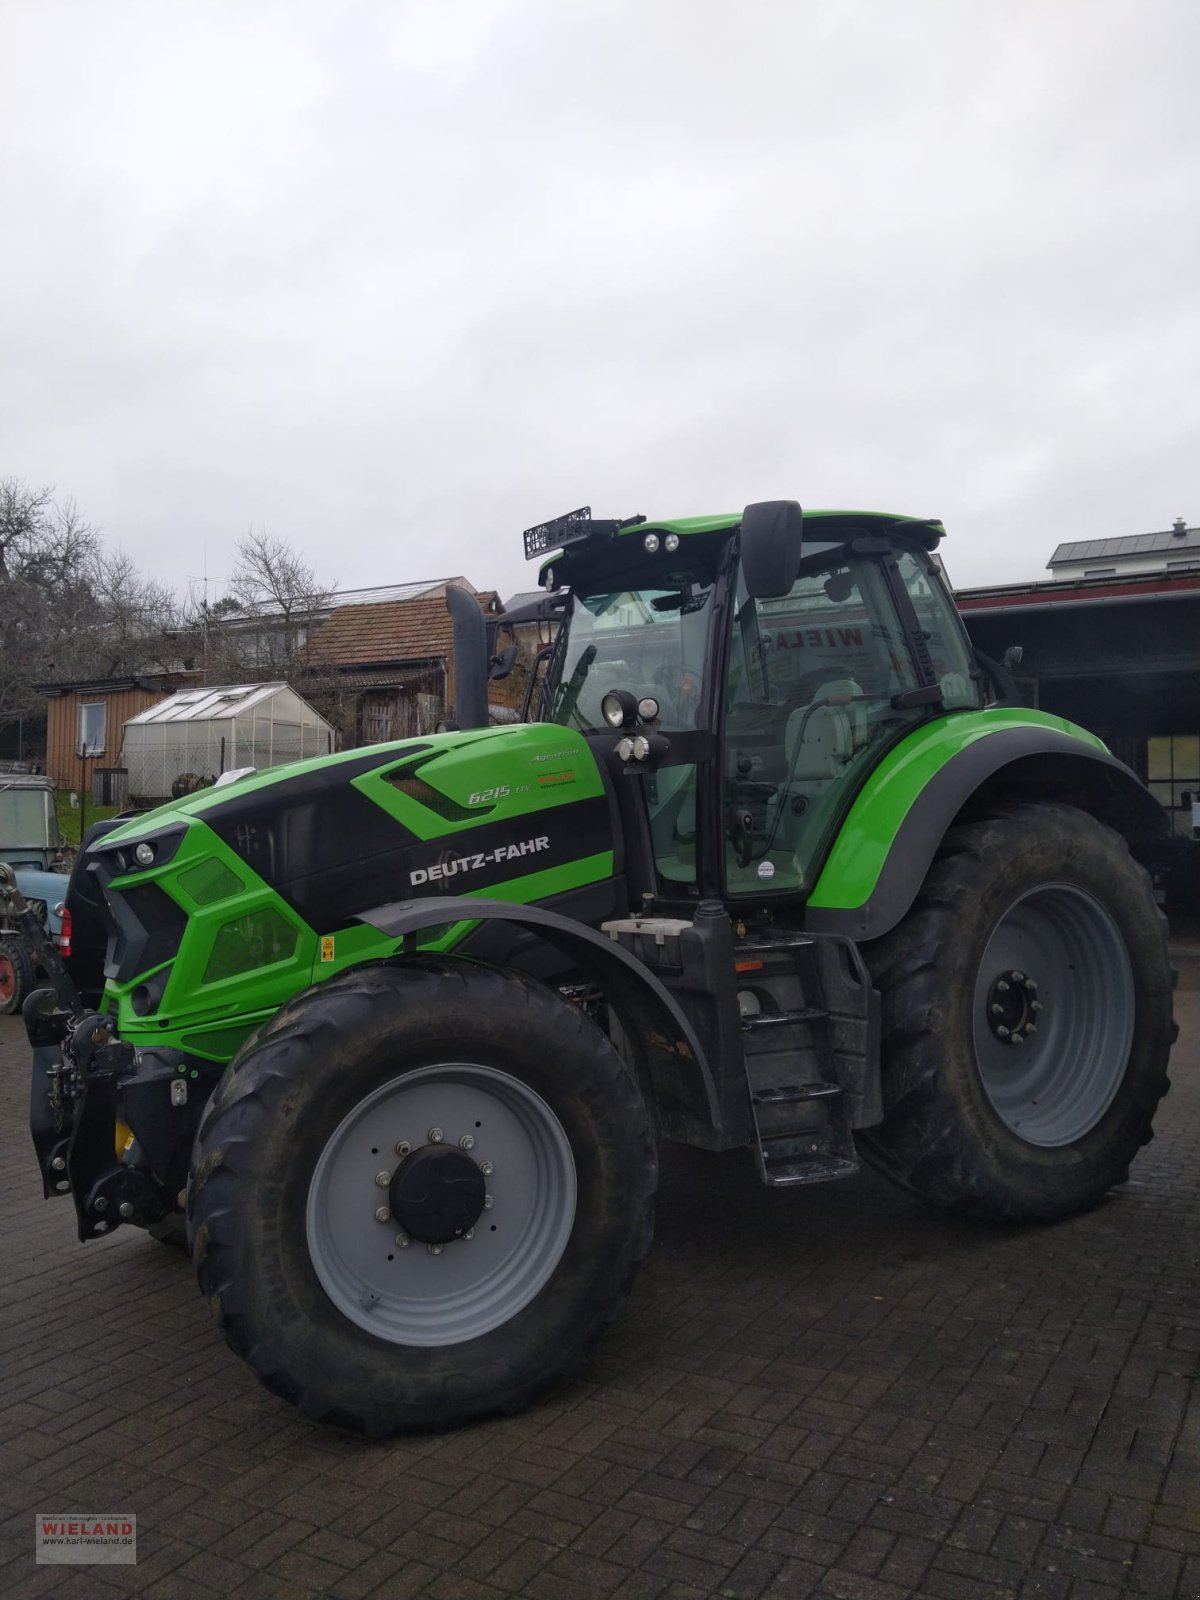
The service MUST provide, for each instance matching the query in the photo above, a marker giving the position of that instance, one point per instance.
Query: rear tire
(1035, 915)
(17, 974)
(298, 1150)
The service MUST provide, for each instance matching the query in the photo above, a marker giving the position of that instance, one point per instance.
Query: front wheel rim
(411, 1293)
(1053, 1016)
(8, 980)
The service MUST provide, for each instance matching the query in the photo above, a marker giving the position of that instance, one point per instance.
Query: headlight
(612, 710)
(651, 542)
(143, 854)
(671, 543)
(647, 708)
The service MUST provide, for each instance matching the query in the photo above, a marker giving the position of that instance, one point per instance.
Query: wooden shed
(85, 721)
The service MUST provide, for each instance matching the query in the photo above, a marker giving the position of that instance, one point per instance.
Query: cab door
(810, 707)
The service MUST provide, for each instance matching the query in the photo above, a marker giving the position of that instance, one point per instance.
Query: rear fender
(671, 1064)
(896, 826)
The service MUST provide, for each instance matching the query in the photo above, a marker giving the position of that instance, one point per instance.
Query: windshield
(650, 641)
(26, 818)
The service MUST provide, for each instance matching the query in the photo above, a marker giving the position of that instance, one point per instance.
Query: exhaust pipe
(470, 658)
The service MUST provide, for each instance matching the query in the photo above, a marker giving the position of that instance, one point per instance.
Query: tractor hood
(220, 899)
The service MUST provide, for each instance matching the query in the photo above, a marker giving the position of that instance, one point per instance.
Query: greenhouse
(203, 732)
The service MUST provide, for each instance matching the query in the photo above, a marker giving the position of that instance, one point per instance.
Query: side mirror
(503, 662)
(1013, 657)
(771, 545)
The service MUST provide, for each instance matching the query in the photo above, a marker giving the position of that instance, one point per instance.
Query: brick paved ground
(830, 1393)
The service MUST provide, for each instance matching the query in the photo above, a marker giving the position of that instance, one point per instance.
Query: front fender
(896, 825)
(671, 1059)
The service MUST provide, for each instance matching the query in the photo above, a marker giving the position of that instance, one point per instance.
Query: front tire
(1026, 1019)
(420, 1194)
(17, 974)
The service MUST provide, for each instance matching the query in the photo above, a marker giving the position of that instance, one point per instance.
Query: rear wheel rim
(417, 1294)
(1056, 960)
(8, 980)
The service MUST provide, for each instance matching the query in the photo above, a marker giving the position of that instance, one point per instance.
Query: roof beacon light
(651, 542)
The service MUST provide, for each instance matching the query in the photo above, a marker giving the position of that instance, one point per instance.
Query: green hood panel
(260, 884)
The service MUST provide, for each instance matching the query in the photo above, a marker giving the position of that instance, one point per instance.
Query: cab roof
(928, 529)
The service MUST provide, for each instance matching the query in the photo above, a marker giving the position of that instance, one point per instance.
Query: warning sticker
(327, 947)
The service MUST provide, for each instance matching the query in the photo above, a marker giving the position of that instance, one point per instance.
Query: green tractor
(775, 861)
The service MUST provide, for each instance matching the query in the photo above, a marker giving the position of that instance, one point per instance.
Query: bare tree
(139, 623)
(261, 628)
(46, 550)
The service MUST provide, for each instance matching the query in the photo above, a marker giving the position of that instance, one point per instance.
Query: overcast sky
(395, 280)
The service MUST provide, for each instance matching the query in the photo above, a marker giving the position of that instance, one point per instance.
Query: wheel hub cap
(1013, 1006)
(437, 1194)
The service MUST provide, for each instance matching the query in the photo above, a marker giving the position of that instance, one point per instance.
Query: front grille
(145, 929)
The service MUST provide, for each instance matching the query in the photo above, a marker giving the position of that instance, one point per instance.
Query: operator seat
(821, 738)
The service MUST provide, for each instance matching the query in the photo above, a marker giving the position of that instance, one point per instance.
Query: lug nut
(436, 1136)
(434, 1249)
(488, 1202)
(384, 1214)
(1031, 985)
(403, 1241)
(997, 1010)
(486, 1168)
(467, 1142)
(100, 1204)
(470, 1233)
(1031, 1027)
(1018, 977)
(1035, 1006)
(1017, 1038)
(59, 1164)
(383, 1179)
(1003, 986)
(125, 1209)
(403, 1148)
(1003, 1032)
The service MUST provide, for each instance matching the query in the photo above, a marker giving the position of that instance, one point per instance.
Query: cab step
(793, 1093)
(802, 1133)
(780, 1019)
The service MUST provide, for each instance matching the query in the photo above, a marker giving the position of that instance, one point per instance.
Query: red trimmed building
(1112, 641)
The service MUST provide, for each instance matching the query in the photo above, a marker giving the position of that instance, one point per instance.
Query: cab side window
(943, 634)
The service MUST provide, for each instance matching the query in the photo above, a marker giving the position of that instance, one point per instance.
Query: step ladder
(800, 1121)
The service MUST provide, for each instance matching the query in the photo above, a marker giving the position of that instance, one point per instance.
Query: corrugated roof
(390, 591)
(322, 605)
(391, 631)
(1133, 544)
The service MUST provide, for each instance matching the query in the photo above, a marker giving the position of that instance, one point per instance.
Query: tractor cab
(748, 674)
